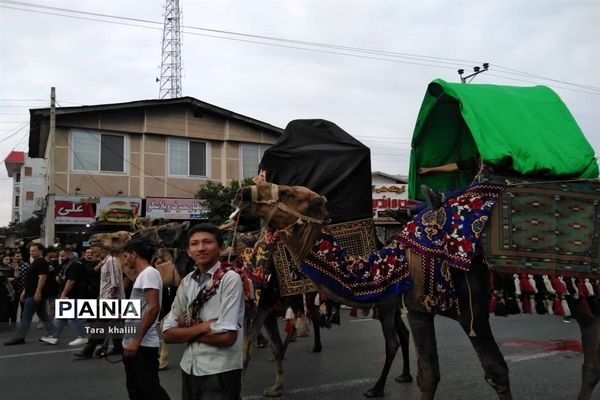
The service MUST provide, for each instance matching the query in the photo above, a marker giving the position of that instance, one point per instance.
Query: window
(18, 177)
(29, 196)
(251, 156)
(17, 201)
(28, 171)
(98, 152)
(188, 158)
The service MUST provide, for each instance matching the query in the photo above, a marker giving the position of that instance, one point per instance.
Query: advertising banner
(75, 210)
(118, 209)
(169, 208)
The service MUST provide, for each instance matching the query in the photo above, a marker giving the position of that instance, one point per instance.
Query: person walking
(72, 286)
(111, 287)
(34, 296)
(140, 350)
(208, 314)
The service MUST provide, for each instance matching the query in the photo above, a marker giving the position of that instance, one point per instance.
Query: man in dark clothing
(72, 286)
(34, 296)
(91, 266)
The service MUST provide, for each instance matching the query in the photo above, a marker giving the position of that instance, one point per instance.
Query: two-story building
(28, 175)
(120, 156)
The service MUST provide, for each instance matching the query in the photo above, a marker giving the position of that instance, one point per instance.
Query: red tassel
(557, 307)
(526, 304)
(289, 327)
(583, 292)
(584, 308)
(557, 285)
(526, 288)
(492, 305)
(353, 312)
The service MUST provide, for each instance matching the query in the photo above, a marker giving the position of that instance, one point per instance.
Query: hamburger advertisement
(117, 210)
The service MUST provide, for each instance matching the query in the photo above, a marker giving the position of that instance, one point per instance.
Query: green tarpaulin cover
(527, 130)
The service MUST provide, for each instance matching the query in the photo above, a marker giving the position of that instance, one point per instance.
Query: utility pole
(170, 66)
(476, 71)
(49, 220)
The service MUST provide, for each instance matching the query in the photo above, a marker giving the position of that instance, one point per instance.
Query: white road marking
(362, 320)
(37, 353)
(531, 356)
(325, 388)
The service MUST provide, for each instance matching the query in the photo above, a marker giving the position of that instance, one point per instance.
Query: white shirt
(149, 278)
(111, 277)
(226, 306)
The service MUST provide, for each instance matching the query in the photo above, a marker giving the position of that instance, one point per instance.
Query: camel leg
(475, 321)
(428, 374)
(386, 317)
(251, 331)
(491, 359)
(404, 336)
(270, 324)
(590, 370)
(317, 347)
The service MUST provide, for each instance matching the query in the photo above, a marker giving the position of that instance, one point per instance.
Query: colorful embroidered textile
(256, 259)
(546, 228)
(446, 238)
(380, 275)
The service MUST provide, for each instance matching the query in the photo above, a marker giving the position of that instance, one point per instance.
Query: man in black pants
(140, 349)
(35, 296)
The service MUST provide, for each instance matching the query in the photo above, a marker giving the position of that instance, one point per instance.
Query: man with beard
(34, 296)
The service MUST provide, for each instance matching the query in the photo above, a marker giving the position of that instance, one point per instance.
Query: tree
(219, 198)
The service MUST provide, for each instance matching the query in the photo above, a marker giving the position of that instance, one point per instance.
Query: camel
(298, 214)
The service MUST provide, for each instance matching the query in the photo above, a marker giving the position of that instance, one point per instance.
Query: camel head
(295, 212)
(167, 235)
(114, 241)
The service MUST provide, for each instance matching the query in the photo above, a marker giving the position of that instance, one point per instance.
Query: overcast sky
(377, 101)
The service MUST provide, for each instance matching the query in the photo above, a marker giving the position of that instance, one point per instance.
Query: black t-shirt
(38, 267)
(92, 279)
(52, 286)
(75, 272)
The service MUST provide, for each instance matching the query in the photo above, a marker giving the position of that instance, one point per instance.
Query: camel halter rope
(274, 204)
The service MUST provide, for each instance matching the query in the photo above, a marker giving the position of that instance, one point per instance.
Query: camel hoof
(404, 378)
(373, 393)
(273, 392)
(316, 349)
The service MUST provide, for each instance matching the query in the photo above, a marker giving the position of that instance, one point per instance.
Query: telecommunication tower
(170, 66)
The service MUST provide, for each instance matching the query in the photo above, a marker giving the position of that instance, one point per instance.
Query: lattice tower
(170, 66)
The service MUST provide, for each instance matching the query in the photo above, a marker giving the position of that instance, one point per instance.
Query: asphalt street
(543, 354)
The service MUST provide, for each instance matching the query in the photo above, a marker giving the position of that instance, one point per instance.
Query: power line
(408, 56)
(85, 169)
(14, 133)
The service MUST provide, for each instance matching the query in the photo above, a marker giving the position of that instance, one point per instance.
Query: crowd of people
(207, 311)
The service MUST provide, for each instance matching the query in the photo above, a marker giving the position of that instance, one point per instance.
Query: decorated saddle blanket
(550, 227)
(446, 238)
(380, 275)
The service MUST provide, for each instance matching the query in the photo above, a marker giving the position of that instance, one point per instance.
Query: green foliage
(28, 229)
(219, 198)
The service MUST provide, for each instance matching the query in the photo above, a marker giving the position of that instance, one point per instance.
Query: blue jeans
(59, 325)
(29, 307)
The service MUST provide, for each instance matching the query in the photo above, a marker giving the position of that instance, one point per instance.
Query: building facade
(28, 190)
(158, 149)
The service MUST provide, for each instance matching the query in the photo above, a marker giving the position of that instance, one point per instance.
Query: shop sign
(75, 210)
(169, 208)
(119, 209)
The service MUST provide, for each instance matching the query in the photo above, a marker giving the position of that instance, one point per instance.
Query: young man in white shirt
(140, 349)
(208, 314)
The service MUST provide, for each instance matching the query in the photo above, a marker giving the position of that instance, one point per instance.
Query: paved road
(541, 352)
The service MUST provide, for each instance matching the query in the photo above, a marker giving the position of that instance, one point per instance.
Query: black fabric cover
(320, 155)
